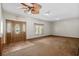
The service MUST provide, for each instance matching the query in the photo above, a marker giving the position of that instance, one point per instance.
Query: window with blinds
(39, 29)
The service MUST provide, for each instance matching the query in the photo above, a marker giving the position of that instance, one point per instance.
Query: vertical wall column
(1, 30)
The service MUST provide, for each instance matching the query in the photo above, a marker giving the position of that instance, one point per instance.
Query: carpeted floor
(48, 46)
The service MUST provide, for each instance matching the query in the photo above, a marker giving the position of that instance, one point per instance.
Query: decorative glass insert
(17, 28)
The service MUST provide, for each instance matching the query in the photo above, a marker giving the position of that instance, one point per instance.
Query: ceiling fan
(34, 8)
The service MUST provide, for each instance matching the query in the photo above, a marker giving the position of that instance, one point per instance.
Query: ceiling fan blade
(24, 4)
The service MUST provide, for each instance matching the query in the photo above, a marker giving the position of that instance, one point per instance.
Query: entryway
(15, 31)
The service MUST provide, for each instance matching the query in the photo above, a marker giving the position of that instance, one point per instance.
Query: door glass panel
(9, 27)
(17, 28)
(23, 29)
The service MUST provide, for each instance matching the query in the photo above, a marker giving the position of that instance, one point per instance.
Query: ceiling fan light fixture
(33, 7)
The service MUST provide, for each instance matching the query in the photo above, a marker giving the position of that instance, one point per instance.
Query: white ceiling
(48, 12)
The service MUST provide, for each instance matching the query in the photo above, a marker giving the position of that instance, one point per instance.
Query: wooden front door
(16, 31)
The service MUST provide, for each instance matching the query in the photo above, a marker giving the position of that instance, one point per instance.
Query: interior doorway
(15, 31)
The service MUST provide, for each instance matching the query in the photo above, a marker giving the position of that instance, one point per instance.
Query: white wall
(31, 29)
(0, 20)
(30, 24)
(69, 28)
(0, 11)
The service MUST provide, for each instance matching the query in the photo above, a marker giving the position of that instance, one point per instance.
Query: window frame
(39, 25)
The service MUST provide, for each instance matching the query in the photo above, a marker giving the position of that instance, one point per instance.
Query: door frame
(15, 21)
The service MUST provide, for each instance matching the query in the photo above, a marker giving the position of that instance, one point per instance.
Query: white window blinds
(39, 28)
